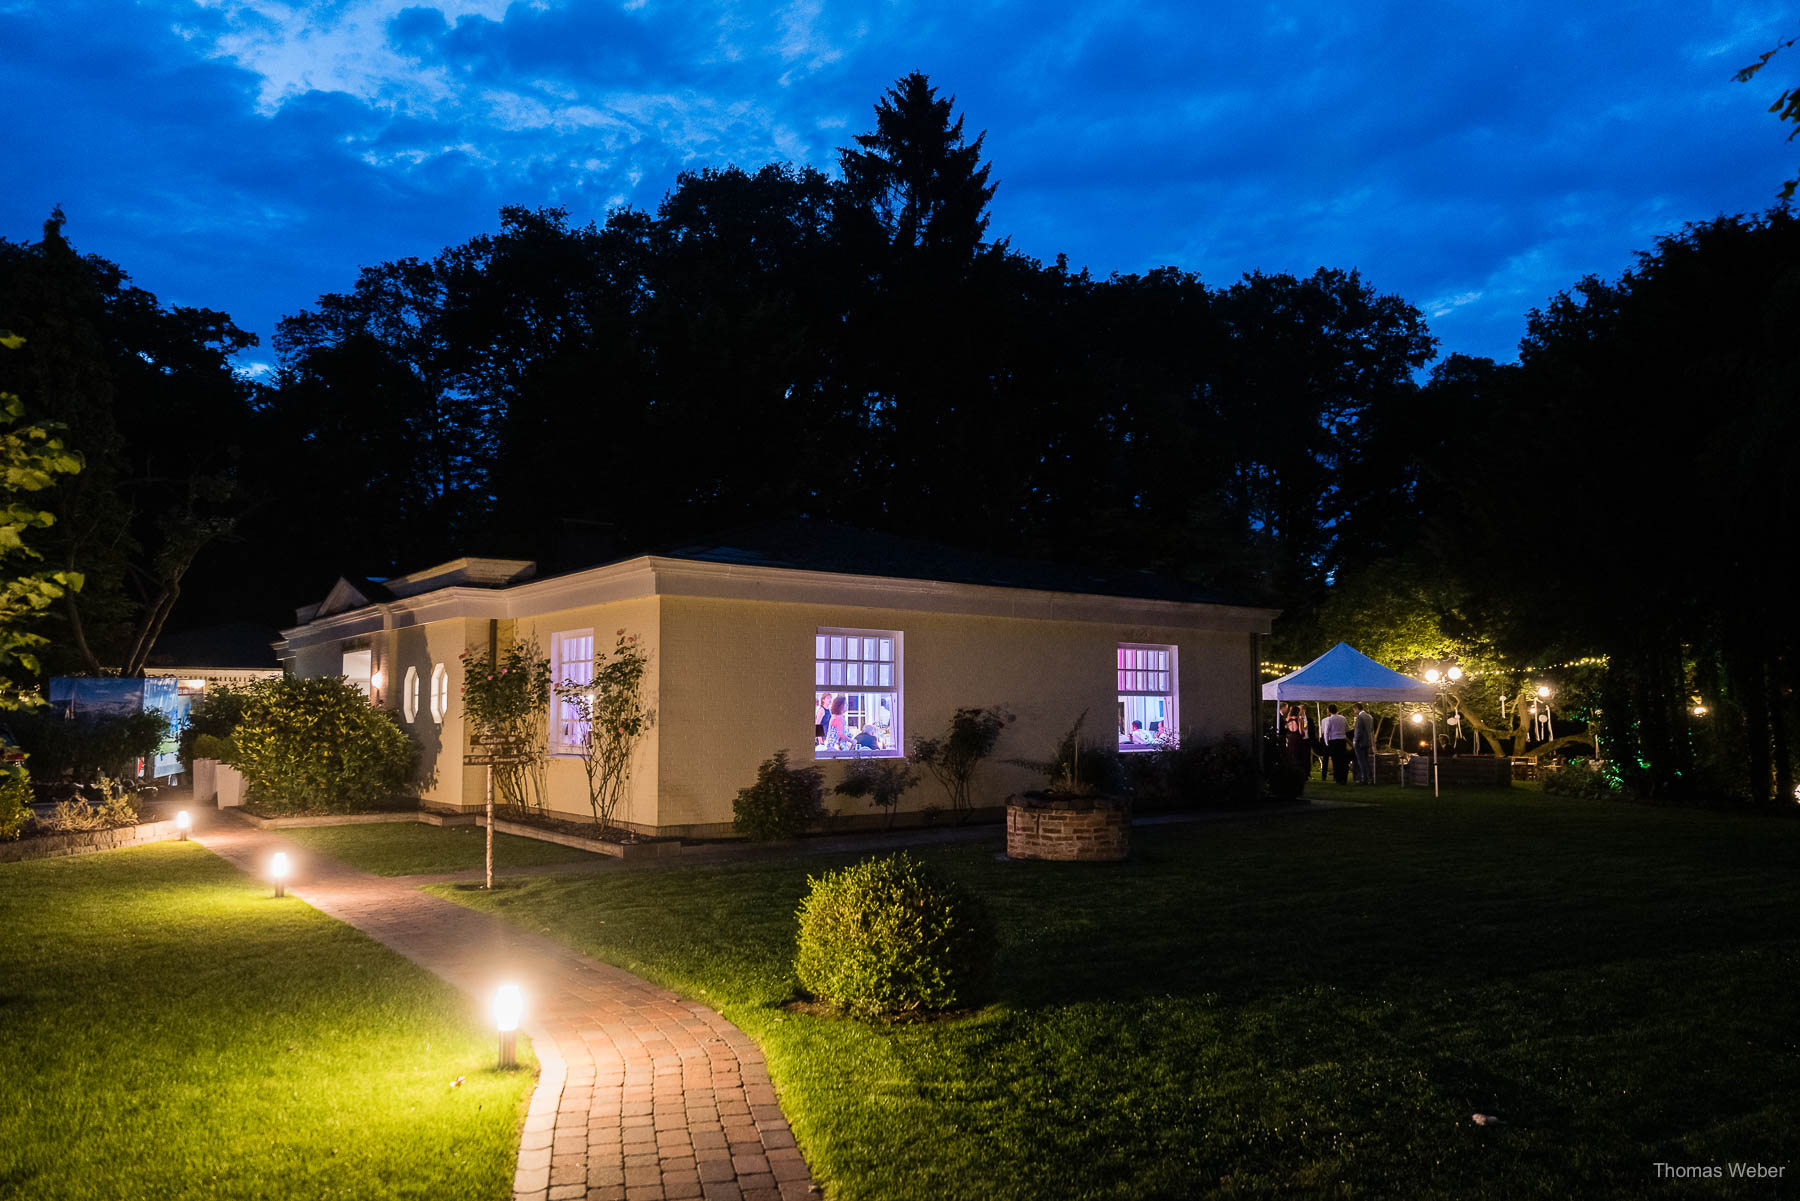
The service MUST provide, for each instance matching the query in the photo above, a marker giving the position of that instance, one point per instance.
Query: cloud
(250, 154)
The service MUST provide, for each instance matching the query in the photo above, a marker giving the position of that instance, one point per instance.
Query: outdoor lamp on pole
(509, 1006)
(278, 872)
(1419, 720)
(183, 823)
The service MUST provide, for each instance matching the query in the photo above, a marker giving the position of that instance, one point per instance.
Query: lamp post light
(509, 1006)
(278, 871)
(183, 823)
(1419, 720)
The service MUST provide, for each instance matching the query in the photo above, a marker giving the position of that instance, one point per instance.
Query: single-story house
(825, 641)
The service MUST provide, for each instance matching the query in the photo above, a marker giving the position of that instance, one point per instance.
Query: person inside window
(1138, 733)
(821, 718)
(869, 739)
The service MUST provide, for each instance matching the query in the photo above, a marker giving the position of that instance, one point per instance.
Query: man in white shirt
(1336, 733)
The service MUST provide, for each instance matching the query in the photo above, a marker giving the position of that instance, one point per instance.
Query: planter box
(1461, 771)
(357, 819)
(1077, 829)
(598, 846)
(231, 786)
(206, 779)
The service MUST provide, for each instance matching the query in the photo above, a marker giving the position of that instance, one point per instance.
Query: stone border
(81, 842)
(597, 846)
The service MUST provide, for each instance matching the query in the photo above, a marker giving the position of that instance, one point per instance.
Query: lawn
(1311, 1005)
(168, 1030)
(411, 849)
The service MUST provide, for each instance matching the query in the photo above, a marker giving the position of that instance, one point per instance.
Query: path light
(509, 1005)
(278, 871)
(183, 823)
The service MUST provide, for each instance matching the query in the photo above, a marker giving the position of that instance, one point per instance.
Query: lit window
(358, 667)
(1146, 696)
(409, 695)
(440, 693)
(571, 662)
(856, 693)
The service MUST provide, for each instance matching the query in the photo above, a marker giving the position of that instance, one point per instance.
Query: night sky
(1474, 159)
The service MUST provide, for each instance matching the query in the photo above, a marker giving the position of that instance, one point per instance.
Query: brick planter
(81, 842)
(1070, 829)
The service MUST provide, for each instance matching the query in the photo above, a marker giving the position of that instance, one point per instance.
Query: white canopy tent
(1344, 673)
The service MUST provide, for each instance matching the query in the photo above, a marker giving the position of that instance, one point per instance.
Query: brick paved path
(641, 1096)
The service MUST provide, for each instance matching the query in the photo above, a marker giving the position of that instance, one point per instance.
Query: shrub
(889, 936)
(212, 746)
(1580, 780)
(216, 716)
(953, 758)
(1217, 774)
(783, 801)
(881, 780)
(15, 800)
(115, 806)
(319, 744)
(90, 746)
(507, 696)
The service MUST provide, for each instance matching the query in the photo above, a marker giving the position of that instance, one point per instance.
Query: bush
(1081, 767)
(889, 936)
(115, 806)
(319, 744)
(1580, 780)
(215, 716)
(783, 801)
(953, 758)
(15, 800)
(88, 747)
(881, 780)
(1194, 774)
(212, 746)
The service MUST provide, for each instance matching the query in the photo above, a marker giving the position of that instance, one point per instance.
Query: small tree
(953, 758)
(881, 780)
(615, 717)
(508, 696)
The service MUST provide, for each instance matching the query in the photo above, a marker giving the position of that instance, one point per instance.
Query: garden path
(641, 1095)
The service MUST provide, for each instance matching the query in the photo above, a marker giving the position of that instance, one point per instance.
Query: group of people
(1340, 741)
(832, 730)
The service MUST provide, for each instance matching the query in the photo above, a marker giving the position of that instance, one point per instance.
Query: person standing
(1363, 740)
(1336, 733)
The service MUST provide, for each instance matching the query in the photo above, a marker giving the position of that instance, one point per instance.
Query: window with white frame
(571, 662)
(409, 695)
(440, 692)
(1147, 688)
(359, 667)
(856, 693)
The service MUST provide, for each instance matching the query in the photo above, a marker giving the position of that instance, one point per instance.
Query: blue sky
(248, 155)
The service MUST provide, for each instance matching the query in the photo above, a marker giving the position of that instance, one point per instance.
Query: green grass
(168, 1030)
(1313, 1005)
(411, 849)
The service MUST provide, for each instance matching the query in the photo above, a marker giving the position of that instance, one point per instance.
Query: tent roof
(1344, 673)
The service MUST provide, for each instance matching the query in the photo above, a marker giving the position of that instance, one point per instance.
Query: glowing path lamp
(278, 872)
(509, 1006)
(183, 823)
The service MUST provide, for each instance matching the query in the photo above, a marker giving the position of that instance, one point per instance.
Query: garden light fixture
(278, 871)
(1544, 690)
(1418, 719)
(509, 1006)
(1455, 673)
(1432, 675)
(183, 823)
(1699, 710)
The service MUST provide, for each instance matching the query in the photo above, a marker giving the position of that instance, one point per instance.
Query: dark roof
(809, 545)
(237, 644)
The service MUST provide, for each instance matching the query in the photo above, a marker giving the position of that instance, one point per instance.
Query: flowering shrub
(508, 696)
(953, 758)
(615, 716)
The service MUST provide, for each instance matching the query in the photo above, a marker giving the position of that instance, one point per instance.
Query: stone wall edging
(82, 842)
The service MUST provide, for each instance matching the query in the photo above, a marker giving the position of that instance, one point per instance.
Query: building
(746, 637)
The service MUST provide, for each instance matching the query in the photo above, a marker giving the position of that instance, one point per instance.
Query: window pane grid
(857, 698)
(1146, 686)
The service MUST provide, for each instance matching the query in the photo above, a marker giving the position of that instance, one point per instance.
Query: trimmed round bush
(890, 936)
(319, 745)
